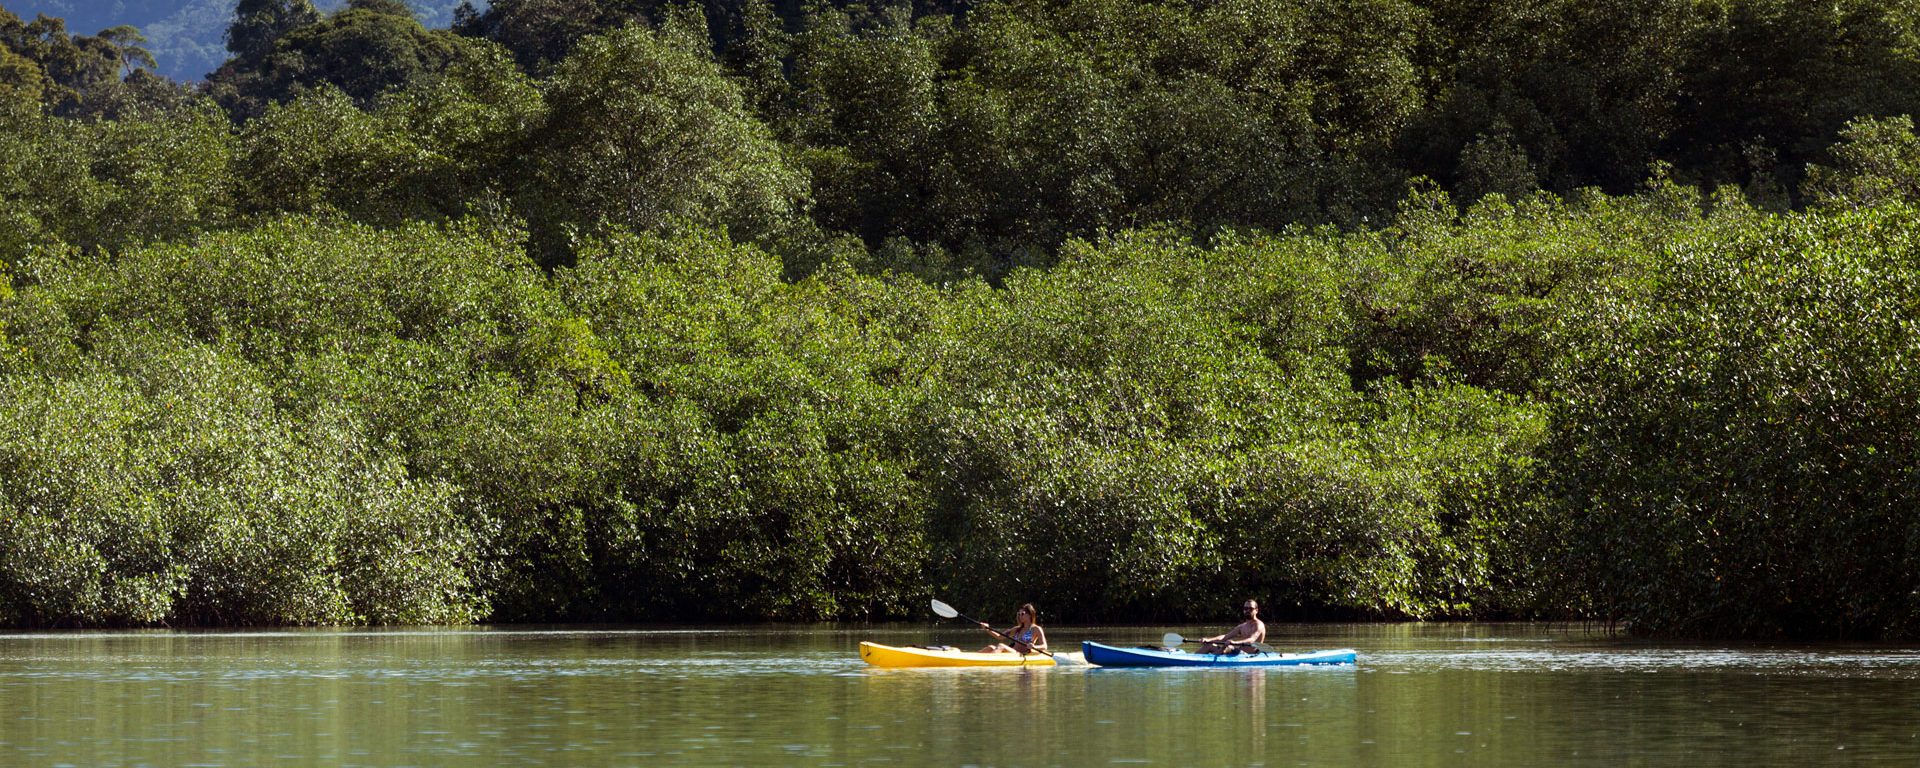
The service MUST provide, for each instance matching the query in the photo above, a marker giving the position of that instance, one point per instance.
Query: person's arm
(1243, 632)
(1256, 632)
(1039, 638)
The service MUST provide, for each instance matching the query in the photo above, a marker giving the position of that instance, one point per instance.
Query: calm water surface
(1422, 695)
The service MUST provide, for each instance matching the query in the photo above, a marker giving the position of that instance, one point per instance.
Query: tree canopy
(602, 311)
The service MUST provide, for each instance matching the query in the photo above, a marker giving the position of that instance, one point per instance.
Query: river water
(1422, 695)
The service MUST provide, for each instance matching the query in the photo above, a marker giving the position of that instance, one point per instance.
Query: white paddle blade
(1172, 640)
(945, 611)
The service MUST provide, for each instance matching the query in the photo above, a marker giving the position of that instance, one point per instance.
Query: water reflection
(1497, 695)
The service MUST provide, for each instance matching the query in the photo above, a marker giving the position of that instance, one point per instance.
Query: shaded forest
(615, 310)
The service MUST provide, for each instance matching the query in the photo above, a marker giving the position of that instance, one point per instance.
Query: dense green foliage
(78, 75)
(366, 49)
(1733, 455)
(606, 310)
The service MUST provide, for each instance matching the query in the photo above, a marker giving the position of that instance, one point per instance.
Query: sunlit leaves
(1731, 455)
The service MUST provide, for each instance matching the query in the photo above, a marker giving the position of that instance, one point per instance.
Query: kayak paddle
(1174, 640)
(947, 612)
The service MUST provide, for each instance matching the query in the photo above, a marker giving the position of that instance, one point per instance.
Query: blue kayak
(1114, 656)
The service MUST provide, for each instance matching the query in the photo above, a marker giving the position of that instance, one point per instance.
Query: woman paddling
(1026, 635)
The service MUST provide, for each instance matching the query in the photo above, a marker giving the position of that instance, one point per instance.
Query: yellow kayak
(890, 656)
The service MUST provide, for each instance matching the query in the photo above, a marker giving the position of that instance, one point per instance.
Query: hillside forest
(629, 310)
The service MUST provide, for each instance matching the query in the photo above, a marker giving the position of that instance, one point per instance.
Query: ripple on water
(1901, 664)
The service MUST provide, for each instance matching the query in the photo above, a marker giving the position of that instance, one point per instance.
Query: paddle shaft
(1257, 647)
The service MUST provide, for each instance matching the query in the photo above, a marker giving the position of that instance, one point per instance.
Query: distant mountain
(187, 37)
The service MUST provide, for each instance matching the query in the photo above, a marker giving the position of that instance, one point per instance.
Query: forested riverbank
(632, 312)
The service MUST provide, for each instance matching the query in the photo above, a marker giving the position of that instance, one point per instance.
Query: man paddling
(1240, 638)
